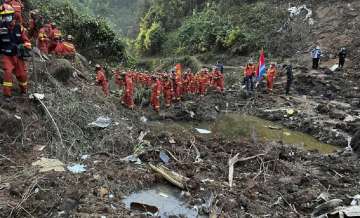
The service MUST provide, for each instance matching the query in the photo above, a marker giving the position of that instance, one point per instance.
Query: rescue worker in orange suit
(128, 96)
(203, 80)
(35, 23)
(43, 39)
(270, 76)
(194, 84)
(101, 79)
(66, 48)
(18, 6)
(155, 93)
(249, 73)
(119, 81)
(187, 81)
(179, 82)
(55, 37)
(218, 80)
(15, 46)
(168, 90)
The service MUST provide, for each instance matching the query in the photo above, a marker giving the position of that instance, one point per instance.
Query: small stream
(233, 126)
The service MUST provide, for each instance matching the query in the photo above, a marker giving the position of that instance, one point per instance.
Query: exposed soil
(284, 182)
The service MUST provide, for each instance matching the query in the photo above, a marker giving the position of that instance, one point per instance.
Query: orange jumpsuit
(65, 49)
(55, 37)
(168, 92)
(271, 73)
(203, 80)
(11, 63)
(194, 84)
(155, 95)
(43, 40)
(218, 80)
(102, 81)
(127, 98)
(179, 85)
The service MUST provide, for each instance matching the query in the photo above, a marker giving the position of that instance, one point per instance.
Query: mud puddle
(233, 126)
(161, 200)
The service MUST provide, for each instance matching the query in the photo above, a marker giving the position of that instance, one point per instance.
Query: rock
(9, 125)
(61, 69)
(337, 114)
(326, 207)
(355, 142)
(323, 108)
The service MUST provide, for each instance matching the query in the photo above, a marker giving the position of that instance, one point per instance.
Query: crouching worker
(15, 46)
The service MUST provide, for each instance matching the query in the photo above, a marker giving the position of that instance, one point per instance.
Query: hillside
(71, 152)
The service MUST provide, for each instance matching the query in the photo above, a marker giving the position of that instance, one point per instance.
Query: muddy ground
(284, 182)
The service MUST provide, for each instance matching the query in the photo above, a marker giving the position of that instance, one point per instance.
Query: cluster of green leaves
(94, 37)
(123, 15)
(190, 27)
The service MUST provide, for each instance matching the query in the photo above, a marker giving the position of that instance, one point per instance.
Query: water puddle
(161, 200)
(235, 126)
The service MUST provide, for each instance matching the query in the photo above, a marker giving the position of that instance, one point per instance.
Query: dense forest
(183, 27)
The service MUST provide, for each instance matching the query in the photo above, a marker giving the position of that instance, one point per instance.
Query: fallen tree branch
(234, 160)
(197, 158)
(53, 121)
(170, 176)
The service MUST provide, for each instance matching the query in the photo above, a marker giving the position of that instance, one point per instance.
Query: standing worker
(249, 73)
(316, 55)
(342, 57)
(18, 6)
(55, 37)
(270, 76)
(101, 79)
(218, 80)
(128, 97)
(155, 93)
(15, 46)
(203, 80)
(289, 78)
(168, 90)
(43, 39)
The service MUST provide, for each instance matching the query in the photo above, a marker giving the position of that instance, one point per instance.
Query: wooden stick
(53, 121)
(236, 159)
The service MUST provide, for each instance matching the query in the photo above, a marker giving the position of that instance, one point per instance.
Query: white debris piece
(296, 11)
(203, 131)
(101, 122)
(77, 168)
(37, 96)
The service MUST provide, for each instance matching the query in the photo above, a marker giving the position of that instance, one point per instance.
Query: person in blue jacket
(316, 54)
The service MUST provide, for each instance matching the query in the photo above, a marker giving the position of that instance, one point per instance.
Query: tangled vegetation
(93, 35)
(215, 26)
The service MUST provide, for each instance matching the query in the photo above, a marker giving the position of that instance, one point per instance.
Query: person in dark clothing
(220, 67)
(289, 78)
(342, 57)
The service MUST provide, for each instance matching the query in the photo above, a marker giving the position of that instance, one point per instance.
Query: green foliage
(219, 25)
(149, 40)
(94, 37)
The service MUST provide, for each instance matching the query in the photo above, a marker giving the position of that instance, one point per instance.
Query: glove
(23, 52)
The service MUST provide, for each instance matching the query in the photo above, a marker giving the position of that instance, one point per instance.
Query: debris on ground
(77, 168)
(203, 131)
(101, 122)
(47, 165)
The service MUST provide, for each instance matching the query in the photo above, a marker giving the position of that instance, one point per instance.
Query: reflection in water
(166, 198)
(234, 126)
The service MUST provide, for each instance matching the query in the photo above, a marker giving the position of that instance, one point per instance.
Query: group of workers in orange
(49, 39)
(15, 43)
(172, 86)
(250, 75)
